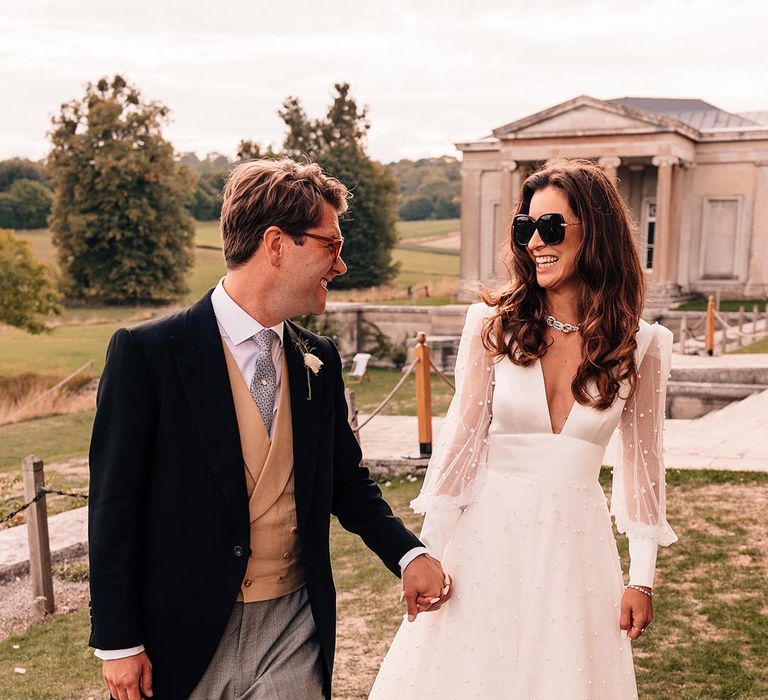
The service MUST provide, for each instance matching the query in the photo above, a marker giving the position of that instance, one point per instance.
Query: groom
(220, 449)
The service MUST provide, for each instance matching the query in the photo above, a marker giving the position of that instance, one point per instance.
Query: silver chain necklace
(560, 326)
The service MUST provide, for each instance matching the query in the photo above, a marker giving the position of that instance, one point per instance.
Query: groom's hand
(425, 586)
(129, 678)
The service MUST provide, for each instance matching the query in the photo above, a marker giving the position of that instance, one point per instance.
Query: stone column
(610, 164)
(664, 209)
(469, 257)
(757, 271)
(510, 190)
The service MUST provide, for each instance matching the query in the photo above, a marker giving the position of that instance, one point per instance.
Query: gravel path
(17, 607)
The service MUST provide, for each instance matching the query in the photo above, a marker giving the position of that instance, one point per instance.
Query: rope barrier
(42, 492)
(389, 396)
(441, 375)
(727, 328)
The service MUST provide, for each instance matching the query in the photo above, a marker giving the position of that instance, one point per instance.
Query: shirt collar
(233, 321)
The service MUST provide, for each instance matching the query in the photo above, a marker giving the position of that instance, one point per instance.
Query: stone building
(694, 176)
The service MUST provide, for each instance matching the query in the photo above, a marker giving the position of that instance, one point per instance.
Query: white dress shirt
(237, 329)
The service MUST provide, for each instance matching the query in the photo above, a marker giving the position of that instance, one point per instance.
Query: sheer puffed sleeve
(455, 472)
(638, 502)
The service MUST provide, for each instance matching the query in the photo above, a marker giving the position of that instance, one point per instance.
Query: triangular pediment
(587, 116)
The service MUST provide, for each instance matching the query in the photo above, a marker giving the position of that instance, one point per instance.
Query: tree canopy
(337, 142)
(119, 219)
(26, 290)
(25, 196)
(430, 188)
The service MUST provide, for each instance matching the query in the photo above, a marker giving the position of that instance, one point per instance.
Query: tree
(19, 169)
(252, 150)
(416, 208)
(119, 221)
(26, 290)
(31, 201)
(337, 143)
(433, 180)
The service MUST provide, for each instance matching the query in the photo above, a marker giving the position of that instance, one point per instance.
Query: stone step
(739, 414)
(756, 375)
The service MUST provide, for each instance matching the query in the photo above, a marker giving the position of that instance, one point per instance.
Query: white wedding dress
(519, 520)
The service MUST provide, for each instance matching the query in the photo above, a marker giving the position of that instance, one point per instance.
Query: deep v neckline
(547, 412)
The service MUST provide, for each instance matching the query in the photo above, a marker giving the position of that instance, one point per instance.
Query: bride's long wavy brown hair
(612, 290)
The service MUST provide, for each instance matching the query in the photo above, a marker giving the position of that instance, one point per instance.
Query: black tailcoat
(168, 511)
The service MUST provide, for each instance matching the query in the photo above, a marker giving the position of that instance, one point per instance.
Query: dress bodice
(520, 407)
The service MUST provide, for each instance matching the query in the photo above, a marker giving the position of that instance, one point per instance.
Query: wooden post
(710, 326)
(755, 318)
(37, 530)
(766, 319)
(741, 325)
(423, 395)
(683, 334)
(352, 412)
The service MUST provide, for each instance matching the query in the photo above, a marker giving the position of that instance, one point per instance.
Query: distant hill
(430, 188)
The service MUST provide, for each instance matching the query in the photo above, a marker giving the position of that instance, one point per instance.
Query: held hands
(636, 611)
(426, 587)
(129, 678)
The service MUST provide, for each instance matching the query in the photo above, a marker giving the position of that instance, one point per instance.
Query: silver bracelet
(634, 587)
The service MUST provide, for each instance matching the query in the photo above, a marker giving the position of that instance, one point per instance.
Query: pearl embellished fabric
(264, 381)
(519, 520)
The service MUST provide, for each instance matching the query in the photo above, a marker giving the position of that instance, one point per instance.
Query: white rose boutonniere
(312, 363)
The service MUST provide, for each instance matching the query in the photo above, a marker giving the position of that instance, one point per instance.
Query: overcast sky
(432, 72)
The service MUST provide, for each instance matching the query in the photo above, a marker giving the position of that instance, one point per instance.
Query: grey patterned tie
(264, 377)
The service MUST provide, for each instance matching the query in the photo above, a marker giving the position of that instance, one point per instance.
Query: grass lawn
(708, 639)
(369, 394)
(420, 267)
(54, 438)
(426, 229)
(757, 347)
(208, 233)
(63, 437)
(207, 271)
(425, 301)
(81, 333)
(57, 353)
(725, 305)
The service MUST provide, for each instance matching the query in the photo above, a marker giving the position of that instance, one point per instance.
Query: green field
(54, 438)
(81, 332)
(700, 304)
(761, 346)
(419, 266)
(707, 640)
(426, 229)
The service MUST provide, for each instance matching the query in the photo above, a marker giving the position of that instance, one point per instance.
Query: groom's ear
(272, 243)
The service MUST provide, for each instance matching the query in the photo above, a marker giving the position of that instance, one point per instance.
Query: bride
(546, 370)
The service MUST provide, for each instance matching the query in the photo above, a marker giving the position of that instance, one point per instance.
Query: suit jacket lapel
(305, 423)
(203, 370)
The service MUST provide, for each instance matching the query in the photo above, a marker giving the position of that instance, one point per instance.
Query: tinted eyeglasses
(551, 228)
(332, 244)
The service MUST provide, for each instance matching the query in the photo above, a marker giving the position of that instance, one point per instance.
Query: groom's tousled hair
(282, 193)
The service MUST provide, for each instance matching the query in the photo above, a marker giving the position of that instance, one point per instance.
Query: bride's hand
(636, 612)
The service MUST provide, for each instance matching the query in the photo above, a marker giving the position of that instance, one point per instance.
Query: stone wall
(382, 330)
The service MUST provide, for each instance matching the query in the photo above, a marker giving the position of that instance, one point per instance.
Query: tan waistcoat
(274, 566)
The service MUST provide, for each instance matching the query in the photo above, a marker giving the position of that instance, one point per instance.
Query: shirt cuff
(409, 556)
(642, 562)
(112, 654)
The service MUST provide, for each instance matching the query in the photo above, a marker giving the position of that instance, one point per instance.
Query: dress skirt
(536, 593)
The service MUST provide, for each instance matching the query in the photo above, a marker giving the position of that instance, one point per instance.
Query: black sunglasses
(551, 228)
